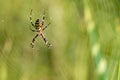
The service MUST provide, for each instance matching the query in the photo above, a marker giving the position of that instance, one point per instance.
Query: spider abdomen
(37, 24)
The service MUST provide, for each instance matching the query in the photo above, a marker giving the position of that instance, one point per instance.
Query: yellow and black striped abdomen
(37, 24)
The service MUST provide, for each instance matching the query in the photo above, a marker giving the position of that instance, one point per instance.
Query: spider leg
(43, 20)
(33, 30)
(33, 40)
(46, 26)
(43, 17)
(31, 18)
(45, 40)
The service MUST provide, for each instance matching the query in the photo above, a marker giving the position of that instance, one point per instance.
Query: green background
(70, 56)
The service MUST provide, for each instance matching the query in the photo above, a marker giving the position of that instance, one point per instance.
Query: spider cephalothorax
(39, 28)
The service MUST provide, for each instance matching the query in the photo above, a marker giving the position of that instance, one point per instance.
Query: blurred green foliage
(70, 56)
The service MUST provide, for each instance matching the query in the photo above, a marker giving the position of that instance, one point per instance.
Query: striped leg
(44, 39)
(31, 18)
(43, 17)
(46, 26)
(32, 22)
(32, 44)
(33, 30)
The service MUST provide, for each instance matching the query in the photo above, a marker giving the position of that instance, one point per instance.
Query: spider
(39, 28)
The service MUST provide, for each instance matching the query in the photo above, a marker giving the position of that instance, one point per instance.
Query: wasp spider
(39, 28)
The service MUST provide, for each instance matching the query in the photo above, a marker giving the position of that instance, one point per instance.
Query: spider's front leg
(33, 40)
(31, 18)
(32, 22)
